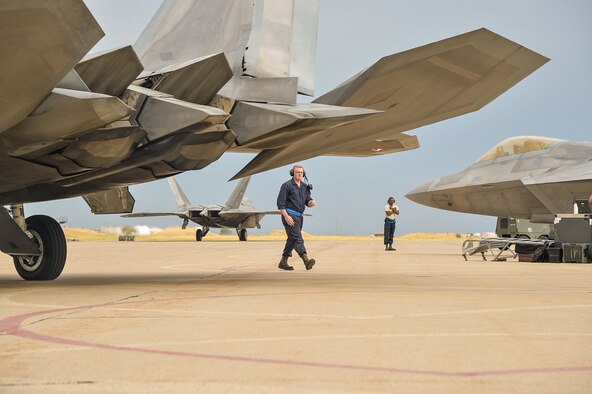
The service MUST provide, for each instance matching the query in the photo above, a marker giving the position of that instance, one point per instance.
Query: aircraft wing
(412, 89)
(556, 189)
(229, 212)
(576, 173)
(248, 218)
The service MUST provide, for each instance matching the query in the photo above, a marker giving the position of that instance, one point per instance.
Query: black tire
(49, 236)
(544, 237)
(242, 235)
(198, 235)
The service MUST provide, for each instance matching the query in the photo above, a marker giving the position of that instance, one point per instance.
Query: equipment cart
(498, 246)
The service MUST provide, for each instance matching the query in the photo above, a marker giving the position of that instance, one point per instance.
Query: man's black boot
(308, 263)
(390, 247)
(284, 264)
(386, 247)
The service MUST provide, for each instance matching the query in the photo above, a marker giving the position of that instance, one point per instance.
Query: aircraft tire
(49, 236)
(198, 235)
(243, 235)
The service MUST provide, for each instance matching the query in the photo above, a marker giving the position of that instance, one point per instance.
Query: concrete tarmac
(144, 317)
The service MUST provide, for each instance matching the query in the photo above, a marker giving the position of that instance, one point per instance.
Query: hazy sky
(554, 101)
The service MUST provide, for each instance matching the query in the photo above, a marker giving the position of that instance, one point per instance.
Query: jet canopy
(518, 145)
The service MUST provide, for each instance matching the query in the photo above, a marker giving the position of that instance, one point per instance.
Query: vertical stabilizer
(184, 30)
(260, 38)
(182, 200)
(237, 195)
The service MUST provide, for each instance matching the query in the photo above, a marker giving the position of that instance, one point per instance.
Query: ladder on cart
(471, 247)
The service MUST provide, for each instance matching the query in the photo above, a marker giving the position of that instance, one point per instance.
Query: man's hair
(388, 199)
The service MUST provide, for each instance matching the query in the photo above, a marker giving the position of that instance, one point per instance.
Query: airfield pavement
(144, 317)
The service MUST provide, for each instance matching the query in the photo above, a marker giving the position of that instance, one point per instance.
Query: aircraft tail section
(260, 39)
(182, 200)
(237, 195)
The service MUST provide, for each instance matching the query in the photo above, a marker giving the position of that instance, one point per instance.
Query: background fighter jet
(203, 78)
(238, 212)
(533, 178)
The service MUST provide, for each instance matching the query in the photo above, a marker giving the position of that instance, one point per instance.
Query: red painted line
(13, 326)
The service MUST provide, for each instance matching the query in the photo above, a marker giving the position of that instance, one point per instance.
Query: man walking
(390, 223)
(293, 198)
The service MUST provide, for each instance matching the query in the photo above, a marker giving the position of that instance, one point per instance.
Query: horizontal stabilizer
(264, 126)
(182, 215)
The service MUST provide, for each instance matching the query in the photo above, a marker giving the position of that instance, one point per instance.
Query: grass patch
(430, 236)
(82, 234)
(176, 234)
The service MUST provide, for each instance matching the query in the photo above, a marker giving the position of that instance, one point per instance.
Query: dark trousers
(294, 233)
(389, 231)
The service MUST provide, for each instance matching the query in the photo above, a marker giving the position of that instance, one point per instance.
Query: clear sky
(554, 101)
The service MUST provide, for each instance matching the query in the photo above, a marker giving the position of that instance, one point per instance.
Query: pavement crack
(132, 296)
(62, 315)
(53, 317)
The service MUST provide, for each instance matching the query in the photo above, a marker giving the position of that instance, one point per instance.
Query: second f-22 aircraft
(525, 177)
(205, 77)
(238, 212)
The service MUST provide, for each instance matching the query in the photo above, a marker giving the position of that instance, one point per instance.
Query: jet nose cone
(422, 194)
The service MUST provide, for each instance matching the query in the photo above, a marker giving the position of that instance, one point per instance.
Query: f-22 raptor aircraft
(525, 177)
(238, 212)
(204, 77)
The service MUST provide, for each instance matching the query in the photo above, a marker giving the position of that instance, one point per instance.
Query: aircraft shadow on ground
(263, 279)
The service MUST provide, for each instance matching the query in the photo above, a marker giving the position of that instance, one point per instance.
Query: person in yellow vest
(391, 212)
